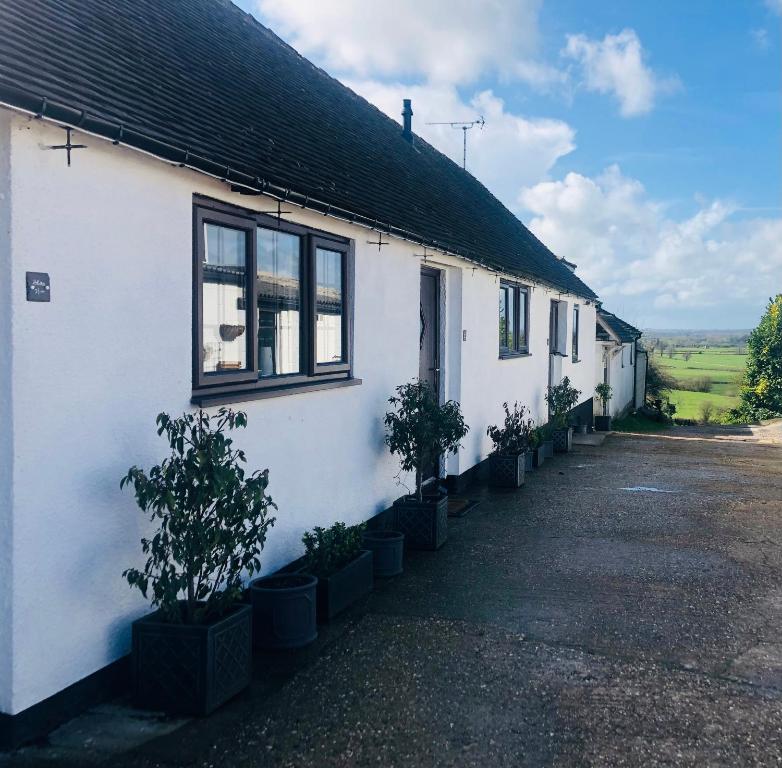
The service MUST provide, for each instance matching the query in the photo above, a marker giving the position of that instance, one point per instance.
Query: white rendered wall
(488, 381)
(113, 348)
(6, 420)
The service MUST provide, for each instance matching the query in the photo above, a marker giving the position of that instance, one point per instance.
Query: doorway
(429, 345)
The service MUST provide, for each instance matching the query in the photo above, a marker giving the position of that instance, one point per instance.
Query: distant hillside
(695, 338)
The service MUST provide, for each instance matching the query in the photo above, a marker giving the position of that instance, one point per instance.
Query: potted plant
(529, 456)
(511, 442)
(195, 651)
(603, 423)
(387, 552)
(342, 566)
(561, 398)
(284, 610)
(420, 430)
(539, 450)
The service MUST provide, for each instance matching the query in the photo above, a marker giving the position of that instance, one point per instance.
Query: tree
(761, 391)
(419, 429)
(212, 518)
(657, 380)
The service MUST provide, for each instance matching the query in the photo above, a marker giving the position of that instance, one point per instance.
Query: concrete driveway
(623, 608)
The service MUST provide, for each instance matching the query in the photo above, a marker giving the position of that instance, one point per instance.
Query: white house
(619, 363)
(194, 215)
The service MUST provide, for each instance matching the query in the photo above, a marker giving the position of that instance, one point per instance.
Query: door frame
(438, 276)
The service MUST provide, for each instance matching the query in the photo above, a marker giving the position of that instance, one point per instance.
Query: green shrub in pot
(604, 393)
(561, 398)
(419, 430)
(511, 442)
(211, 520)
(343, 567)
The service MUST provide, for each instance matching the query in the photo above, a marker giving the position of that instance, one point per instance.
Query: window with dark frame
(272, 303)
(513, 319)
(574, 344)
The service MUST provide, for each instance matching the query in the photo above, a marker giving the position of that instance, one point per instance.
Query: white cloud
(774, 5)
(760, 38)
(658, 269)
(446, 41)
(510, 152)
(615, 65)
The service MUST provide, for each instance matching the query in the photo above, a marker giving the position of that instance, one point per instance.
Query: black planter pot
(563, 439)
(529, 463)
(507, 471)
(191, 669)
(387, 552)
(580, 429)
(284, 610)
(603, 423)
(341, 589)
(538, 455)
(424, 523)
(548, 448)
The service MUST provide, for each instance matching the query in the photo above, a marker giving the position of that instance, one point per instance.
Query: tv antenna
(465, 126)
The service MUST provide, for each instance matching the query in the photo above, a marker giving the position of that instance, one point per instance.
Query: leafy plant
(419, 429)
(761, 392)
(212, 519)
(604, 392)
(329, 549)
(561, 398)
(516, 434)
(657, 380)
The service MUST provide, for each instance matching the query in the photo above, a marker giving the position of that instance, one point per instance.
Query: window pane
(512, 293)
(224, 299)
(328, 305)
(279, 302)
(503, 318)
(575, 331)
(522, 320)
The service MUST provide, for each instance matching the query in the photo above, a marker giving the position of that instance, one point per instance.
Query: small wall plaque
(38, 288)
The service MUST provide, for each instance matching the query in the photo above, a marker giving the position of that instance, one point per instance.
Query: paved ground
(623, 609)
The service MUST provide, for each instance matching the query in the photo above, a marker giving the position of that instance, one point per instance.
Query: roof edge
(43, 108)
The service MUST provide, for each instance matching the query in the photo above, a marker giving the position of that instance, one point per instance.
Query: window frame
(575, 334)
(514, 291)
(244, 384)
(311, 331)
(558, 315)
(202, 217)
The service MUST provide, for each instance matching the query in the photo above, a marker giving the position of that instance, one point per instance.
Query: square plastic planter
(341, 589)
(191, 669)
(507, 471)
(538, 455)
(529, 462)
(548, 448)
(284, 610)
(603, 423)
(424, 524)
(563, 439)
(387, 552)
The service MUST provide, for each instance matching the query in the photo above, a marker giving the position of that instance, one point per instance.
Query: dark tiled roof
(627, 333)
(202, 77)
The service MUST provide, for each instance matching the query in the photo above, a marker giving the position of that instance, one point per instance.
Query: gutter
(42, 108)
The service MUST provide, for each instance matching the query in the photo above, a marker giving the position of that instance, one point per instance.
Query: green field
(723, 366)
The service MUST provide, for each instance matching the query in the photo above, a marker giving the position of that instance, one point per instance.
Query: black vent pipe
(407, 116)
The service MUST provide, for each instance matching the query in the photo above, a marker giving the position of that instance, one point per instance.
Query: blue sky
(639, 140)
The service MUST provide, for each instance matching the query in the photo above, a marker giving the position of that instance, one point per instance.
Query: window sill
(513, 355)
(206, 398)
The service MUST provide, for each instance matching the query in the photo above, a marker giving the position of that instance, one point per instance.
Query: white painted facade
(83, 377)
(616, 365)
